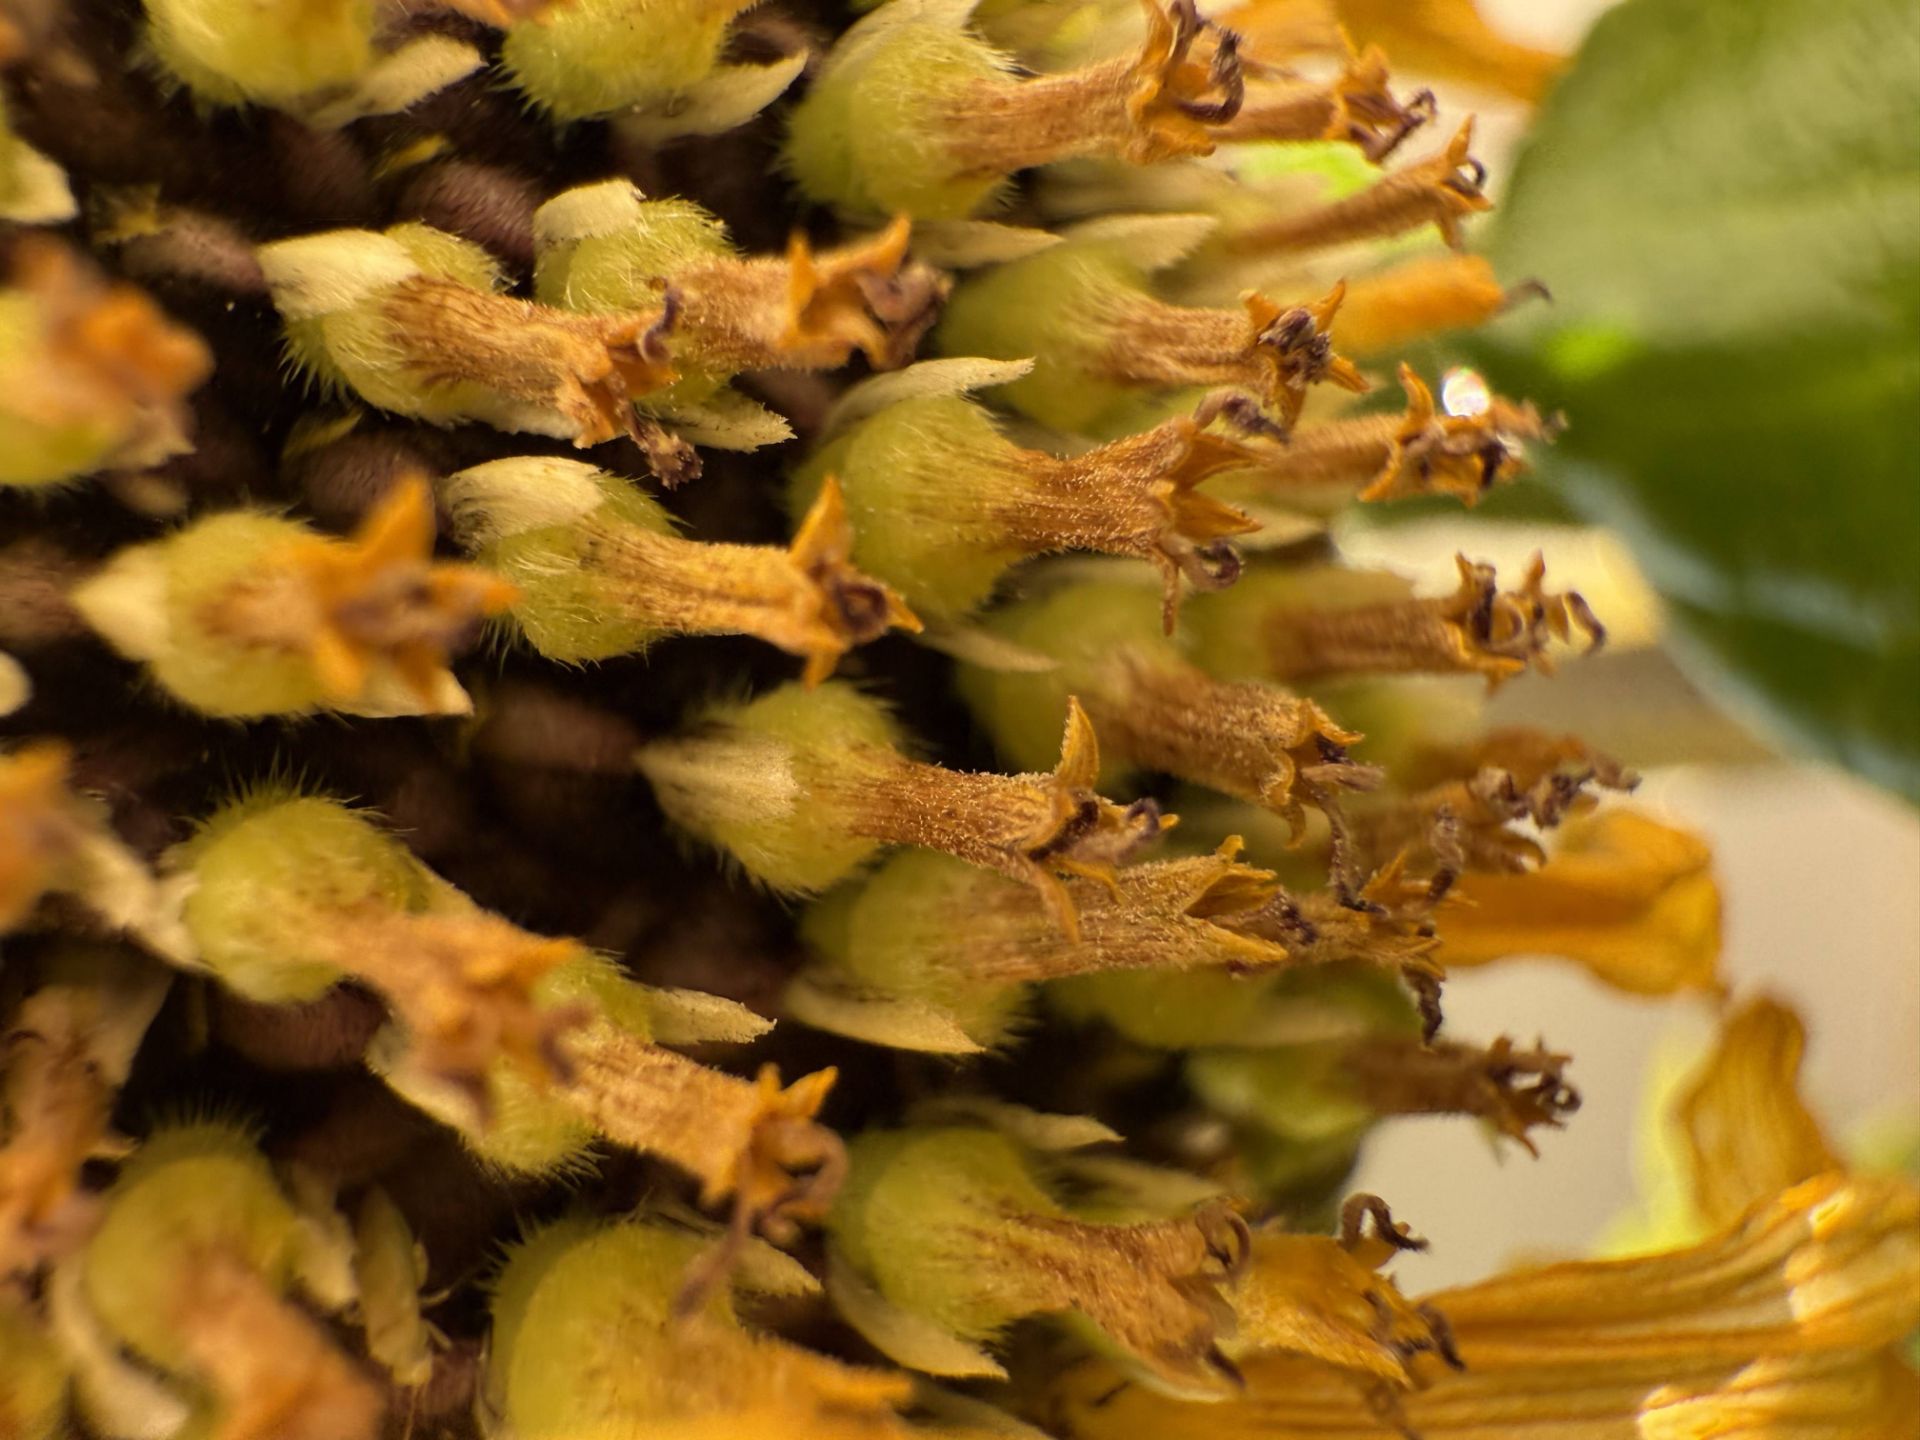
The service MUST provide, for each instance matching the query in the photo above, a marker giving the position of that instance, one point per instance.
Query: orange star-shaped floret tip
(464, 986)
(1295, 342)
(853, 608)
(379, 596)
(1177, 99)
(1456, 180)
(785, 1138)
(1500, 633)
(114, 331)
(828, 296)
(1079, 833)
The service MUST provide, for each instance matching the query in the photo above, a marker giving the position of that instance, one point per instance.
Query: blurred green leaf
(1724, 196)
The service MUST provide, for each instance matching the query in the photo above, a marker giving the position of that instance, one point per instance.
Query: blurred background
(1712, 685)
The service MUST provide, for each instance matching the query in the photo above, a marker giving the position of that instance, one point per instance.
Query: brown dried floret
(808, 310)
(1026, 827)
(1242, 738)
(1423, 451)
(803, 787)
(1479, 629)
(753, 1143)
(1275, 351)
(602, 572)
(1137, 496)
(1356, 106)
(586, 369)
(947, 1235)
(1166, 101)
(1512, 1089)
(1465, 819)
(414, 322)
(1441, 190)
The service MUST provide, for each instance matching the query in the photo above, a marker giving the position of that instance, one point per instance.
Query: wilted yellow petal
(1320, 1296)
(1776, 1327)
(1450, 40)
(1804, 1397)
(1445, 39)
(1747, 1131)
(1631, 899)
(1419, 298)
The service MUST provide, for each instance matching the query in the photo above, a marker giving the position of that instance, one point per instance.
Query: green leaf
(1724, 196)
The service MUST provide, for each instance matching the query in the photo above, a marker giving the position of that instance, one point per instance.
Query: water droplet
(1463, 392)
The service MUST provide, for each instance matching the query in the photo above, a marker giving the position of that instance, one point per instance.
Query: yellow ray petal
(1421, 297)
(1319, 1296)
(1776, 1327)
(1634, 901)
(1747, 1131)
(1451, 40)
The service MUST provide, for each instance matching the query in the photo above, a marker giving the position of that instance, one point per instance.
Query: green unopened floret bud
(194, 1268)
(93, 376)
(33, 190)
(329, 62)
(600, 571)
(753, 1142)
(1101, 340)
(1324, 624)
(945, 1236)
(931, 954)
(804, 787)
(412, 320)
(1153, 708)
(33, 1376)
(659, 59)
(579, 1303)
(943, 504)
(294, 894)
(606, 248)
(389, 1270)
(913, 113)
